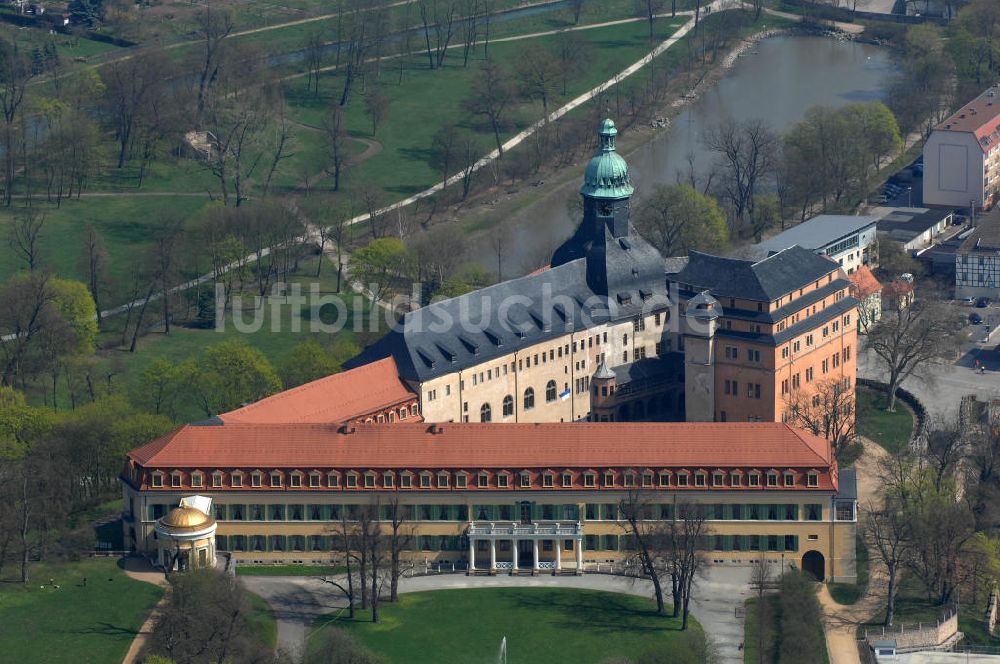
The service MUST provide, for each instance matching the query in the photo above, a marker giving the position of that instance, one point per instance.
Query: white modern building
(846, 239)
(962, 156)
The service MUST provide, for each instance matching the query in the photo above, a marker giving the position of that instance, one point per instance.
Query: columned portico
(551, 533)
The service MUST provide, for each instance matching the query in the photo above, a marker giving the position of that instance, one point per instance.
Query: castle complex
(468, 414)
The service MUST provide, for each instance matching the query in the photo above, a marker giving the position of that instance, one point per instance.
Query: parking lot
(905, 188)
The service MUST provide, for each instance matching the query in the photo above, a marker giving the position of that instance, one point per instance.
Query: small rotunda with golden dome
(185, 536)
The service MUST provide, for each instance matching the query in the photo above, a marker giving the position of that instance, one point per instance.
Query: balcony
(508, 530)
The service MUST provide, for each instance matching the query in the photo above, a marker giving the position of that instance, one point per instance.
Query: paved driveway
(298, 601)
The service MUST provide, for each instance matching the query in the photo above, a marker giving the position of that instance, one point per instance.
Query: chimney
(436, 429)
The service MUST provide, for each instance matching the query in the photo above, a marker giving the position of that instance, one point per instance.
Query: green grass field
(75, 623)
(262, 622)
(849, 593)
(541, 624)
(890, 430)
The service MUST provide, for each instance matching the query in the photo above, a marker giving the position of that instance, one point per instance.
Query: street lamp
(909, 196)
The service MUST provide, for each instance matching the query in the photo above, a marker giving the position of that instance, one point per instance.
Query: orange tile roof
(864, 282)
(510, 446)
(331, 400)
(980, 117)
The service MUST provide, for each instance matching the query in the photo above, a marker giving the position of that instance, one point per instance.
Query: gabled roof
(980, 117)
(865, 283)
(331, 400)
(764, 280)
(515, 446)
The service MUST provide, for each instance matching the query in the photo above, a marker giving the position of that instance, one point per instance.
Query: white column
(493, 555)
(513, 548)
(472, 555)
(558, 552)
(534, 543)
(578, 543)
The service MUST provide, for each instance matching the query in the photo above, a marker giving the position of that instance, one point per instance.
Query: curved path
(298, 601)
(840, 620)
(140, 570)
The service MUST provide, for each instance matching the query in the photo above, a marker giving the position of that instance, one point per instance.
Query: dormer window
(789, 479)
(664, 479)
(196, 479)
(718, 479)
(216, 479)
(314, 480)
(772, 479)
(753, 479)
(812, 480)
(388, 480)
(682, 478)
(406, 481)
(567, 480)
(333, 480)
(157, 480)
(352, 480)
(609, 479)
(647, 479)
(275, 479)
(425, 480)
(175, 479)
(735, 479)
(461, 480)
(369, 480)
(547, 480)
(503, 480)
(443, 480)
(629, 479)
(699, 479)
(257, 479)
(589, 480)
(236, 479)
(525, 480)
(295, 480)
(482, 480)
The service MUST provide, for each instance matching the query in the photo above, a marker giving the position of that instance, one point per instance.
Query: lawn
(425, 101)
(540, 624)
(75, 623)
(262, 622)
(123, 221)
(890, 430)
(288, 570)
(849, 593)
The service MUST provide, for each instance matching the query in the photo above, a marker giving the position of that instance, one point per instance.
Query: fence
(921, 635)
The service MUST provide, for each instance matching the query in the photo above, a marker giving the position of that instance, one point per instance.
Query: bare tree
(748, 150)
(648, 9)
(491, 97)
(336, 142)
(885, 532)
(576, 6)
(400, 539)
(94, 260)
(688, 532)
(651, 540)
(24, 236)
(538, 75)
(438, 17)
(910, 340)
(760, 580)
(827, 410)
(15, 73)
(315, 55)
(213, 27)
(376, 106)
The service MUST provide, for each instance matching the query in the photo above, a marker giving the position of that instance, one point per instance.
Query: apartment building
(962, 156)
(848, 240)
(977, 260)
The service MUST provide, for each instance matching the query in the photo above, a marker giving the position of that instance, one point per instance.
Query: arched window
(485, 413)
(508, 406)
(529, 399)
(550, 391)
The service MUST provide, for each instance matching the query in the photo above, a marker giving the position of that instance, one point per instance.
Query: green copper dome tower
(606, 187)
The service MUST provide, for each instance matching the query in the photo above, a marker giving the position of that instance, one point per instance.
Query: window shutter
(222, 543)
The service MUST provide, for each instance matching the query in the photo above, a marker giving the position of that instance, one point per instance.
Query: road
(298, 601)
(941, 390)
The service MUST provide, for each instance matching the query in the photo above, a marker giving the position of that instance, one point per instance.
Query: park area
(53, 618)
(539, 625)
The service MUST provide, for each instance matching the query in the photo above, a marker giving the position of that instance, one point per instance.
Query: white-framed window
(256, 479)
(503, 480)
(443, 480)
(812, 480)
(525, 480)
(333, 480)
(175, 479)
(295, 479)
(196, 479)
(567, 480)
(314, 480)
(276, 479)
(157, 479)
(217, 479)
(236, 479)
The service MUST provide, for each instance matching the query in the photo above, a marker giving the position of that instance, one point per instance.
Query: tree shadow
(610, 612)
(107, 629)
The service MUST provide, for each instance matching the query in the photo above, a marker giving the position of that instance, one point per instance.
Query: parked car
(975, 319)
(983, 302)
(966, 301)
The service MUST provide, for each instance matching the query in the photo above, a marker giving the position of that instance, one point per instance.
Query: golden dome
(186, 518)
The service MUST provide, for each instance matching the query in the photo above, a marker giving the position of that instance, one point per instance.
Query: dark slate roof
(764, 280)
(666, 367)
(468, 330)
(848, 482)
(910, 222)
(841, 306)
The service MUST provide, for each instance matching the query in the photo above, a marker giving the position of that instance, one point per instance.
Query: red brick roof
(331, 400)
(498, 446)
(865, 283)
(980, 117)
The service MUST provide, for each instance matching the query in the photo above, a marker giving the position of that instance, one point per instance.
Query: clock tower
(606, 188)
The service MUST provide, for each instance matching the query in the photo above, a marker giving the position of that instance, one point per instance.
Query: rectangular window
(388, 481)
(255, 480)
(609, 479)
(814, 512)
(482, 480)
(502, 481)
(812, 479)
(682, 479)
(754, 480)
(175, 480)
(589, 480)
(425, 481)
(314, 481)
(157, 480)
(369, 481)
(567, 480)
(789, 479)
(460, 481)
(195, 479)
(275, 479)
(772, 479)
(352, 481)
(405, 481)
(664, 479)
